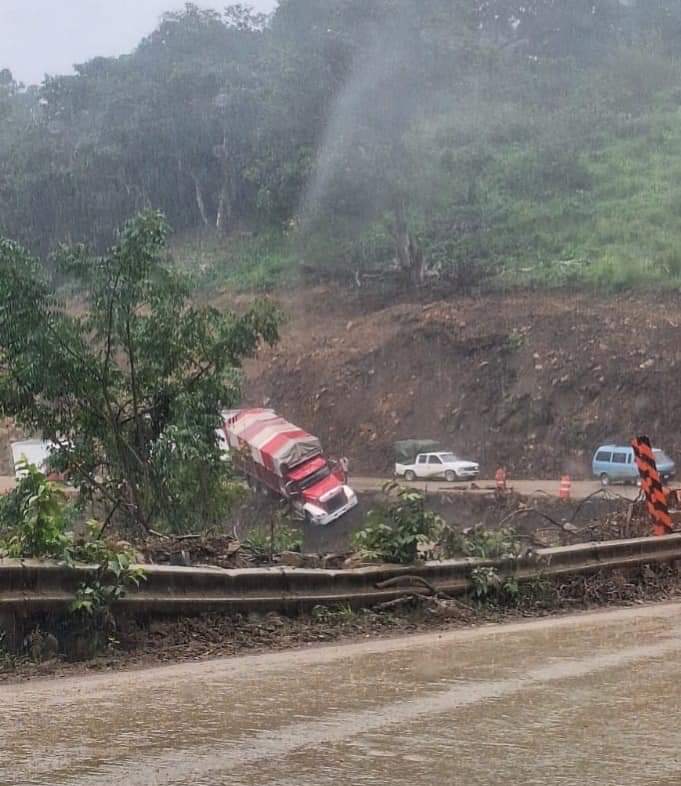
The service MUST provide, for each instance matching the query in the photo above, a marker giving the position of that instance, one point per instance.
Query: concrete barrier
(29, 589)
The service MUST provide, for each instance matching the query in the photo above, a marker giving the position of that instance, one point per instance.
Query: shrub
(35, 517)
(482, 543)
(263, 543)
(396, 529)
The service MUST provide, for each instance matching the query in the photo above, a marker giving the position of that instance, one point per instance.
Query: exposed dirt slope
(536, 380)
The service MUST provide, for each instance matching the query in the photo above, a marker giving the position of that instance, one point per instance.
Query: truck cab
(320, 494)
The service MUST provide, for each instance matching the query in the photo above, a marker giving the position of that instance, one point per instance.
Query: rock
(291, 559)
(333, 561)
(50, 647)
(273, 619)
(647, 364)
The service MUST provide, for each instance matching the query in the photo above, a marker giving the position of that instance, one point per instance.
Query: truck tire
(409, 476)
(450, 476)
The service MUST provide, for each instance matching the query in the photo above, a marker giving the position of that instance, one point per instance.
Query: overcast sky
(49, 36)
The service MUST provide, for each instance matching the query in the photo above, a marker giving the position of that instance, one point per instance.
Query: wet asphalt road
(590, 699)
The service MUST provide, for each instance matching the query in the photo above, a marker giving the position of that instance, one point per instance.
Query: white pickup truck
(444, 466)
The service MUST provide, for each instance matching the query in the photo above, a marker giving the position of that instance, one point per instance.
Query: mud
(535, 383)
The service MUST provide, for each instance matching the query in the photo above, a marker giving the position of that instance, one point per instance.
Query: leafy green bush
(36, 522)
(266, 542)
(488, 584)
(397, 528)
(35, 517)
(481, 543)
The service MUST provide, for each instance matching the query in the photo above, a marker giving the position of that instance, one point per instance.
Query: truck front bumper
(336, 514)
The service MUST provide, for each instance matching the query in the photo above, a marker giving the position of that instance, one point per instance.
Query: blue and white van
(616, 464)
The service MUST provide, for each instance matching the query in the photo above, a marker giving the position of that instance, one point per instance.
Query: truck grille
(337, 501)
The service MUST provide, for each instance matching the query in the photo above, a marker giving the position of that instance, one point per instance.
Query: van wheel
(409, 476)
(450, 476)
(605, 480)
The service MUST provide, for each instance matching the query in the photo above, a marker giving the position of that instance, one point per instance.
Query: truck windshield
(315, 477)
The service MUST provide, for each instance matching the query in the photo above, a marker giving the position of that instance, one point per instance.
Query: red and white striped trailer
(274, 453)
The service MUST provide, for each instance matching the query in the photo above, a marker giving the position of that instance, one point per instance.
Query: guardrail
(29, 588)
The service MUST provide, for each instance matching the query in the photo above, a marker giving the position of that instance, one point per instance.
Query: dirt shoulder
(534, 380)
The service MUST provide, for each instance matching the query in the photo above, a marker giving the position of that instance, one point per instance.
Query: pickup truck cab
(441, 465)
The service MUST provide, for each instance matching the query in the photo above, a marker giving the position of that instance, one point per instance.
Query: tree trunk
(224, 215)
(199, 200)
(409, 255)
(223, 219)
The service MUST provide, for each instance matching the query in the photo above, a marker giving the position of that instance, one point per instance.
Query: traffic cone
(565, 487)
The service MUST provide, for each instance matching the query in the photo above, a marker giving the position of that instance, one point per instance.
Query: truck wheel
(409, 476)
(450, 476)
(605, 480)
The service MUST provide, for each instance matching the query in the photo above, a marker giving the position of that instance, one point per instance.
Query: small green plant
(486, 582)
(34, 518)
(116, 571)
(514, 341)
(488, 585)
(343, 613)
(396, 529)
(539, 591)
(480, 542)
(264, 543)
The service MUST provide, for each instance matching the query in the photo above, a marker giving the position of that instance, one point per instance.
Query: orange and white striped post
(565, 487)
(500, 478)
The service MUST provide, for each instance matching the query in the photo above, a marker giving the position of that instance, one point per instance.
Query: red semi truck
(271, 452)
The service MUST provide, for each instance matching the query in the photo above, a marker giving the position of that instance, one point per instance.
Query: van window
(604, 455)
(619, 458)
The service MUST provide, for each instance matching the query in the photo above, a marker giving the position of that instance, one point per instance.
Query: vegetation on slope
(504, 140)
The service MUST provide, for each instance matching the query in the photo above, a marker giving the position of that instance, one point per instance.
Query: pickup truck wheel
(409, 476)
(450, 476)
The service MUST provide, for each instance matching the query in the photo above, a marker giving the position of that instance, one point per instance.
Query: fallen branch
(402, 580)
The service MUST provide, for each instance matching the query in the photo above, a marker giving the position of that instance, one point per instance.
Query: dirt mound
(536, 381)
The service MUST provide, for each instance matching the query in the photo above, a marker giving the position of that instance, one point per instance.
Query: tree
(367, 172)
(130, 383)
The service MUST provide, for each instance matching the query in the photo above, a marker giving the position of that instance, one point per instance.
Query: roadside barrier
(565, 487)
(29, 589)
